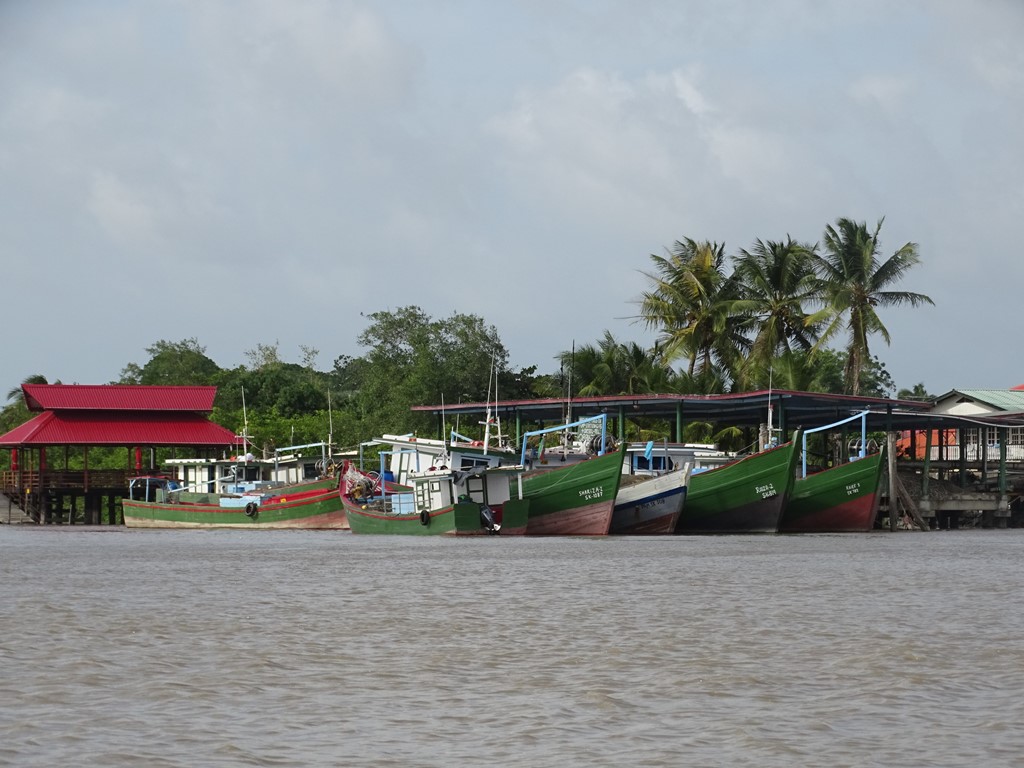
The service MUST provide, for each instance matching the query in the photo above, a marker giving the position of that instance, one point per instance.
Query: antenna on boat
(443, 459)
(497, 418)
(568, 394)
(245, 424)
(330, 422)
(492, 376)
(568, 401)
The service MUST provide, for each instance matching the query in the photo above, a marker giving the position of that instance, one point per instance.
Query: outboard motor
(487, 520)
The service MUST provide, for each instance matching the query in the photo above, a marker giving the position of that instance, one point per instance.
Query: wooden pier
(64, 497)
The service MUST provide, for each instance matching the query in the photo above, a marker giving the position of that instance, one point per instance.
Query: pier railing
(976, 453)
(71, 480)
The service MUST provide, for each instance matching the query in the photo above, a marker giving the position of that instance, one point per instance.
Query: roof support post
(927, 463)
(961, 439)
(1004, 434)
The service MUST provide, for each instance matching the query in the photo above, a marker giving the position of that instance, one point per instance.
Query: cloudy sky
(268, 172)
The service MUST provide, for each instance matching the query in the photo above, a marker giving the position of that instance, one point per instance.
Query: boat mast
(245, 425)
(492, 376)
(443, 458)
(487, 410)
(330, 424)
(568, 401)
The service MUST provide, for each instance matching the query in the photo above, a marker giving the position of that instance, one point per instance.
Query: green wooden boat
(844, 498)
(158, 502)
(437, 502)
(575, 500)
(744, 496)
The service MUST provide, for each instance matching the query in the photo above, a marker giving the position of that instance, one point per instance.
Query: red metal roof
(118, 429)
(118, 397)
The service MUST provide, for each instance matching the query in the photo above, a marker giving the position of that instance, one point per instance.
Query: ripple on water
(306, 648)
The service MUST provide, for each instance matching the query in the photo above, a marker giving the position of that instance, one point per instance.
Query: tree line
(764, 316)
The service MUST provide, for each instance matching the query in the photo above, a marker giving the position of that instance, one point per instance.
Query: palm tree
(776, 280)
(690, 303)
(852, 283)
(15, 392)
(918, 392)
(614, 368)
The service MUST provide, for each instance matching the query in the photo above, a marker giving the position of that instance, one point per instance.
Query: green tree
(691, 303)
(776, 281)
(852, 282)
(14, 393)
(172, 363)
(415, 360)
(917, 392)
(613, 368)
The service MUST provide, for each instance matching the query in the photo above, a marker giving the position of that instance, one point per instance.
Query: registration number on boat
(592, 493)
(852, 488)
(767, 490)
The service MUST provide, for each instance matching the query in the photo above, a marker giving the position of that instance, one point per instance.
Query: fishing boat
(650, 504)
(747, 495)
(156, 501)
(842, 498)
(438, 501)
(576, 499)
(571, 489)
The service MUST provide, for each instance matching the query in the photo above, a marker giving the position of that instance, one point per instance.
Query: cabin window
(475, 489)
(654, 464)
(422, 496)
(428, 495)
(309, 471)
(244, 474)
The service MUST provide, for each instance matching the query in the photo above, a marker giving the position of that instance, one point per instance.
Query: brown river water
(282, 648)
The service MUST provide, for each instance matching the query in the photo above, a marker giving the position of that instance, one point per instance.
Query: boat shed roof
(118, 397)
(117, 429)
(803, 409)
(118, 415)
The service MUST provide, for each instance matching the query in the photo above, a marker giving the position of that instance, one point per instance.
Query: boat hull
(650, 507)
(575, 500)
(461, 519)
(842, 499)
(745, 496)
(316, 508)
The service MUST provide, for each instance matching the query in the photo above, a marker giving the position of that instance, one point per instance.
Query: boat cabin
(246, 474)
(153, 488)
(650, 458)
(439, 488)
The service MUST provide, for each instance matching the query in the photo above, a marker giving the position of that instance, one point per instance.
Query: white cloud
(121, 212)
(887, 92)
(318, 143)
(690, 95)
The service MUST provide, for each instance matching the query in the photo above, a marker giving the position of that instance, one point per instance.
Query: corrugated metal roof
(1003, 399)
(806, 409)
(118, 397)
(118, 429)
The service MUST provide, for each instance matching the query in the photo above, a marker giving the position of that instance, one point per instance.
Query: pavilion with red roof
(80, 416)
